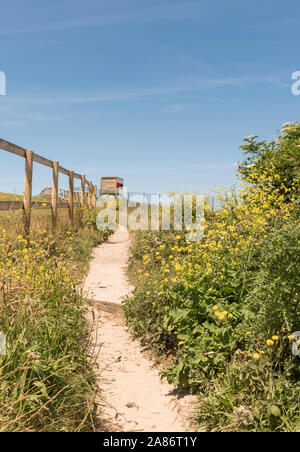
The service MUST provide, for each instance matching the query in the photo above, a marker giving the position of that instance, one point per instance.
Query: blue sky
(160, 92)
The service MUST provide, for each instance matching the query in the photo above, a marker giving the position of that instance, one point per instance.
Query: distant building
(111, 186)
(47, 191)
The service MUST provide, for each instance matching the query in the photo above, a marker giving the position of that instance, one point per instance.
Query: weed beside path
(46, 382)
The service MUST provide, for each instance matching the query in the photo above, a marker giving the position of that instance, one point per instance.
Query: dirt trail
(133, 398)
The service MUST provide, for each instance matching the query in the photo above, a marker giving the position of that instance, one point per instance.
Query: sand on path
(132, 397)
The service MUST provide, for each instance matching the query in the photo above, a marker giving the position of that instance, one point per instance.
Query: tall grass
(46, 380)
(225, 310)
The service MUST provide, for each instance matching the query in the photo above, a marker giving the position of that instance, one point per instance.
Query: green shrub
(223, 309)
(275, 296)
(46, 380)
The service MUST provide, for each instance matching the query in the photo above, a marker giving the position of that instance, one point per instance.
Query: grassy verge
(46, 382)
(223, 310)
(15, 197)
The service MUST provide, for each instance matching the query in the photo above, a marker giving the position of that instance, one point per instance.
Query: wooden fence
(27, 204)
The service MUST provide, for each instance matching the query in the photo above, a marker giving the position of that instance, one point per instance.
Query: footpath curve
(132, 397)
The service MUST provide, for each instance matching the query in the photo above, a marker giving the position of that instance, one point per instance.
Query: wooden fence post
(82, 189)
(54, 194)
(95, 197)
(27, 191)
(71, 195)
(90, 194)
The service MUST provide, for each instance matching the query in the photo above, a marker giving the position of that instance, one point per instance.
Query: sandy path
(106, 280)
(133, 398)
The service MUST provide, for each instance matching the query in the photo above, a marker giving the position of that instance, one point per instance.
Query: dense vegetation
(46, 381)
(224, 309)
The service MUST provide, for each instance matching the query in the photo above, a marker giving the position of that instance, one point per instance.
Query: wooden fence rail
(27, 204)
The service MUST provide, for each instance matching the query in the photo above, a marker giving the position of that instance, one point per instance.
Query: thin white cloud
(185, 86)
(38, 116)
(61, 25)
(11, 124)
(86, 169)
(14, 118)
(186, 10)
(173, 109)
(171, 170)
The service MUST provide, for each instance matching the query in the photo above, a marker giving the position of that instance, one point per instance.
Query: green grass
(16, 197)
(10, 197)
(46, 379)
(221, 311)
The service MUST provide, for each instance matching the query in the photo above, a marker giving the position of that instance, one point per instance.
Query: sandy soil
(106, 280)
(133, 398)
